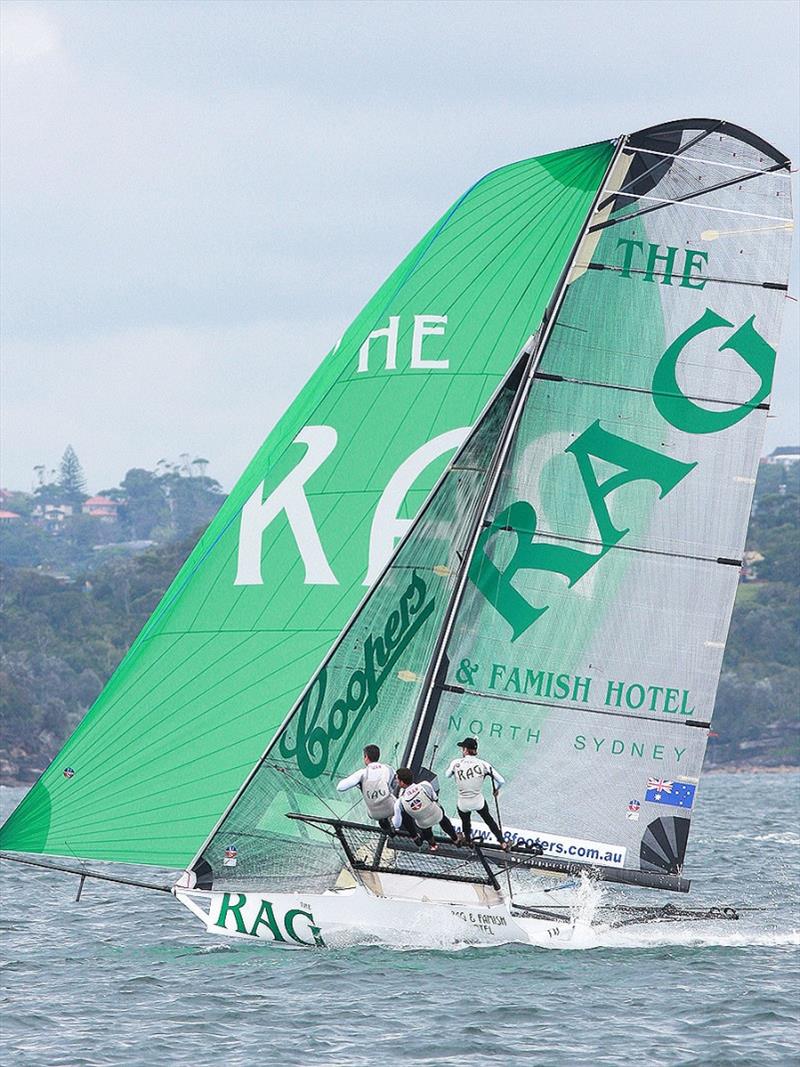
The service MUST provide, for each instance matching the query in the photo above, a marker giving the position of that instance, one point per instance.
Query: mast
(429, 698)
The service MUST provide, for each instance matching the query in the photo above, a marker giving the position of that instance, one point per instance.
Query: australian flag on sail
(677, 794)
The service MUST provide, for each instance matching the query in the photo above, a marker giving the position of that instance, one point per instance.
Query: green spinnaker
(282, 567)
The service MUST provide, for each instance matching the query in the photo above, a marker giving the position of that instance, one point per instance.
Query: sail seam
(110, 763)
(253, 630)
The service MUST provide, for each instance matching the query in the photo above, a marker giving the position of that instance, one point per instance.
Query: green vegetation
(61, 532)
(756, 716)
(60, 642)
(71, 479)
(79, 577)
(76, 591)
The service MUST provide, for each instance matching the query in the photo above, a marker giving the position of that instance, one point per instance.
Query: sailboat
(511, 503)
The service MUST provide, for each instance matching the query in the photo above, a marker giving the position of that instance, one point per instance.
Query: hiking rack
(491, 858)
(369, 848)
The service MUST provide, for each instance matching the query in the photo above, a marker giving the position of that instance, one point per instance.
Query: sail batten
(684, 200)
(481, 694)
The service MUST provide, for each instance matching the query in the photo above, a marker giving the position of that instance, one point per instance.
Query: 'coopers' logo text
(318, 723)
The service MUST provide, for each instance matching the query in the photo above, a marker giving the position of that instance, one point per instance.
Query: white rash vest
(378, 783)
(470, 772)
(419, 801)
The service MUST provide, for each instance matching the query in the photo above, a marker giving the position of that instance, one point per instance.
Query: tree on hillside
(146, 508)
(71, 479)
(193, 501)
(21, 503)
(23, 545)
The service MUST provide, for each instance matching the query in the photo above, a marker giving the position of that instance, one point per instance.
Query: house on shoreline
(786, 456)
(101, 507)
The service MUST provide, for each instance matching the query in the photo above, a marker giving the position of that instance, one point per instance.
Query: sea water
(127, 976)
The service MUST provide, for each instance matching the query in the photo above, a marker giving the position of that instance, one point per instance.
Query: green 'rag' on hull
(282, 567)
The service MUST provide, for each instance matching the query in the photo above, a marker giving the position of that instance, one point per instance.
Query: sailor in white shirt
(417, 810)
(470, 773)
(378, 783)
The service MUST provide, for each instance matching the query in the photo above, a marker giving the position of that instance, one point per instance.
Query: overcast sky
(197, 198)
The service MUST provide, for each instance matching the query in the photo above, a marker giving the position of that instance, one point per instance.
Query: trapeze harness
(469, 773)
(416, 801)
(376, 790)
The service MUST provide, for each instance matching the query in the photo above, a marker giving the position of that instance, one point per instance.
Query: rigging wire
(495, 791)
(304, 788)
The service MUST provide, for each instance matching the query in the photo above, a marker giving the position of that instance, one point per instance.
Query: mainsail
(577, 625)
(311, 522)
(587, 647)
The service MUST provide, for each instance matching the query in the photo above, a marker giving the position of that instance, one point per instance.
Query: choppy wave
(787, 837)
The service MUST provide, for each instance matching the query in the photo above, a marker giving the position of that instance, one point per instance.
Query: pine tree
(71, 479)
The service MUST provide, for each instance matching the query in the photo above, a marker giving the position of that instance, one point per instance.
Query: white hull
(355, 916)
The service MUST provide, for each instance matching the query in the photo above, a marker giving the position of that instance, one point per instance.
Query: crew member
(378, 784)
(470, 773)
(417, 810)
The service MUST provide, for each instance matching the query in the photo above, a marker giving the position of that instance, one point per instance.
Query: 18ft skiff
(536, 450)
